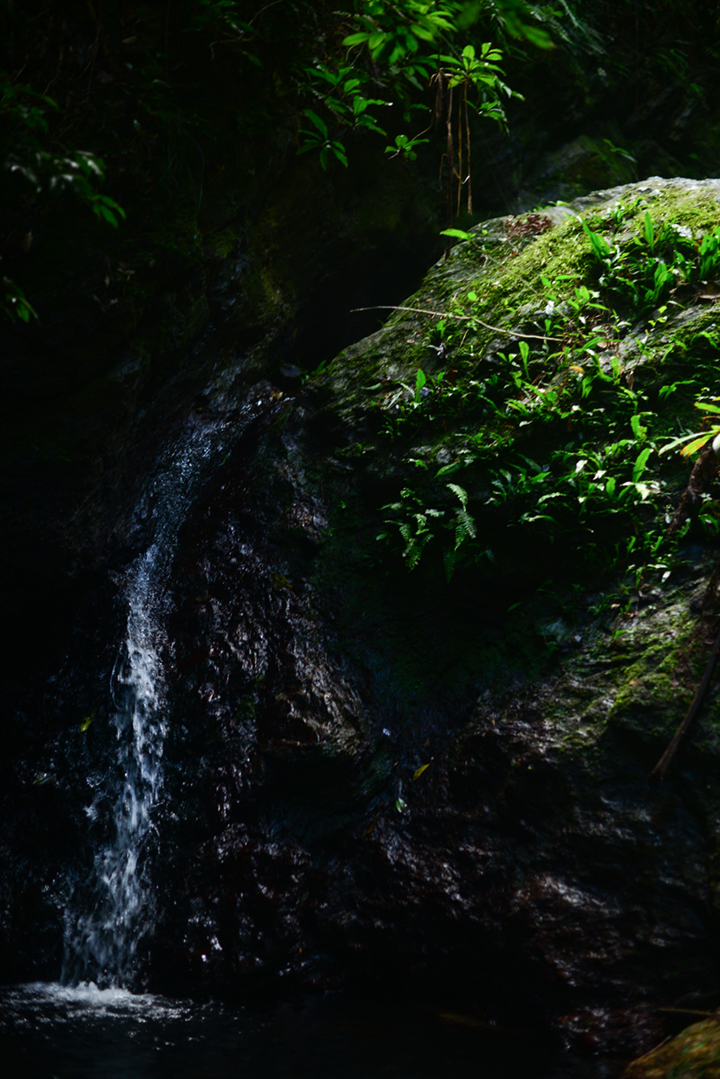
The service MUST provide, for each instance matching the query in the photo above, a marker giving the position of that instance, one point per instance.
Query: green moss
(693, 1054)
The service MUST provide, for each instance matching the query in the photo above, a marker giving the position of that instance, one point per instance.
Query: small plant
(709, 256)
(557, 435)
(16, 304)
(414, 520)
(418, 525)
(319, 138)
(405, 146)
(644, 272)
(697, 439)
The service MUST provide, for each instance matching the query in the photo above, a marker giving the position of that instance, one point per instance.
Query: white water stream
(102, 935)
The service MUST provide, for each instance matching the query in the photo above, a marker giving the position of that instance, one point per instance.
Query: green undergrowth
(525, 393)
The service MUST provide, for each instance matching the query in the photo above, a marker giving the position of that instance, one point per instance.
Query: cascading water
(102, 934)
(101, 943)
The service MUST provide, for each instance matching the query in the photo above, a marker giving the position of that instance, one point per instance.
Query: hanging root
(661, 768)
(701, 479)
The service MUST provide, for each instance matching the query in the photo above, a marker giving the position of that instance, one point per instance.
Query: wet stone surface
(530, 861)
(374, 778)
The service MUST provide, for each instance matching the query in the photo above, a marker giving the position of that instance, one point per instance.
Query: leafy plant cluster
(558, 437)
(168, 99)
(32, 170)
(644, 271)
(163, 98)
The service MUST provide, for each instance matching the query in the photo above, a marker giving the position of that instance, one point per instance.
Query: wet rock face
(530, 865)
(379, 778)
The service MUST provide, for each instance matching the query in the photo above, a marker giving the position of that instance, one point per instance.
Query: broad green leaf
(649, 230)
(339, 150)
(319, 124)
(678, 442)
(447, 470)
(458, 234)
(640, 463)
(422, 32)
(639, 431)
(696, 445)
(599, 244)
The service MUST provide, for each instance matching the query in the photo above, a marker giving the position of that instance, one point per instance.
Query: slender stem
(661, 768)
(464, 318)
(469, 171)
(460, 150)
(450, 161)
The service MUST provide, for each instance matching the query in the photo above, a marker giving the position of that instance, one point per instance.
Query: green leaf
(599, 244)
(356, 39)
(422, 32)
(87, 722)
(640, 463)
(339, 150)
(462, 494)
(639, 431)
(696, 445)
(447, 470)
(319, 124)
(458, 234)
(649, 231)
(678, 442)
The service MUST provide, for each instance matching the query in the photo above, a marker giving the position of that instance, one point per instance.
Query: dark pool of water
(49, 1031)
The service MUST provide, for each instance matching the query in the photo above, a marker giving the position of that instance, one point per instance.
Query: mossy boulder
(427, 637)
(507, 649)
(694, 1054)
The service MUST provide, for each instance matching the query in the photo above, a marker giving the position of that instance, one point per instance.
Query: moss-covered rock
(429, 638)
(492, 831)
(694, 1054)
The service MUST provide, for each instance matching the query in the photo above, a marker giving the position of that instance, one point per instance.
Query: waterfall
(111, 914)
(101, 942)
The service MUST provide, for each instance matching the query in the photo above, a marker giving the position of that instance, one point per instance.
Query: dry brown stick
(661, 768)
(465, 318)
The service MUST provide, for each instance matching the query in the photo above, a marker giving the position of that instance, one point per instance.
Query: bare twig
(464, 318)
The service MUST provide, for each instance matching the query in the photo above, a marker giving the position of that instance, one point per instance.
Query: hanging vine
(454, 83)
